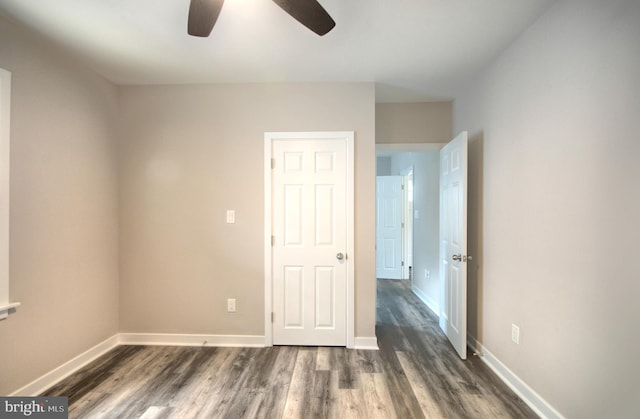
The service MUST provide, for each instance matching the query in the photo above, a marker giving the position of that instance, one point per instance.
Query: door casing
(407, 216)
(349, 138)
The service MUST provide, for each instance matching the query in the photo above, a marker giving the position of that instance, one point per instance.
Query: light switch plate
(231, 305)
(515, 334)
(231, 216)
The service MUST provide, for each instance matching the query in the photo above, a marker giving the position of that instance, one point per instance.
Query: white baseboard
(526, 393)
(39, 385)
(433, 306)
(191, 340)
(370, 343)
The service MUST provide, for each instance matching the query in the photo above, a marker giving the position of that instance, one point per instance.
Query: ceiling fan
(204, 13)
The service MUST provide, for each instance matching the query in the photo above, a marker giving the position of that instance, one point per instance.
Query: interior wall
(383, 166)
(554, 121)
(421, 122)
(63, 210)
(426, 201)
(188, 154)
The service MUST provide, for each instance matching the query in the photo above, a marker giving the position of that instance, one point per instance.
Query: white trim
(6, 309)
(5, 146)
(366, 343)
(526, 393)
(351, 253)
(168, 339)
(428, 301)
(407, 217)
(407, 147)
(9, 306)
(41, 384)
(349, 137)
(268, 233)
(58, 374)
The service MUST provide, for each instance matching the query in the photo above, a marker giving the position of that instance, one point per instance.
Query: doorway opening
(440, 226)
(417, 166)
(394, 224)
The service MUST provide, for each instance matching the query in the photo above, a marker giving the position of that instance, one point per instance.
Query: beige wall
(188, 154)
(63, 221)
(555, 144)
(424, 122)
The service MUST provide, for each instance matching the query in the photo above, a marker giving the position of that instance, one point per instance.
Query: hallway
(424, 372)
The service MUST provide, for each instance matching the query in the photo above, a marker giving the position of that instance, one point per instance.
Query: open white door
(453, 242)
(389, 227)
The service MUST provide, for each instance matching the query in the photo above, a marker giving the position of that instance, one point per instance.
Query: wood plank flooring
(415, 374)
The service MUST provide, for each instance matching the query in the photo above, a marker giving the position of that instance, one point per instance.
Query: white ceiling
(413, 49)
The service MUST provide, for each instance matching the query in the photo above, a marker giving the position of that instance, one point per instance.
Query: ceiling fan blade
(202, 16)
(310, 13)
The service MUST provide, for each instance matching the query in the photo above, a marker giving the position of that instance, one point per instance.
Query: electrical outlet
(515, 334)
(231, 305)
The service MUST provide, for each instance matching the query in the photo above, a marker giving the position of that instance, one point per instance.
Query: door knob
(457, 257)
(339, 256)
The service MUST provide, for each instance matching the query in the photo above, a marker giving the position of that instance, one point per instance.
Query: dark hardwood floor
(415, 374)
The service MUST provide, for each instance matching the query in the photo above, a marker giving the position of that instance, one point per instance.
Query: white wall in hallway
(425, 227)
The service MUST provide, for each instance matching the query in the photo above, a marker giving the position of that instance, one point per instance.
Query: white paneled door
(389, 227)
(309, 245)
(453, 242)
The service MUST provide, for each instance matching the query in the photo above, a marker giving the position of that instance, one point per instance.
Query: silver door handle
(457, 257)
(339, 256)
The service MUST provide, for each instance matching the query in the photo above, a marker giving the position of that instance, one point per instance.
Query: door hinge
(402, 187)
(273, 317)
(402, 225)
(402, 263)
(273, 163)
(273, 240)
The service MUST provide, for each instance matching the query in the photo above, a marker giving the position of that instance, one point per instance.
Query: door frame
(349, 138)
(407, 219)
(5, 141)
(407, 148)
